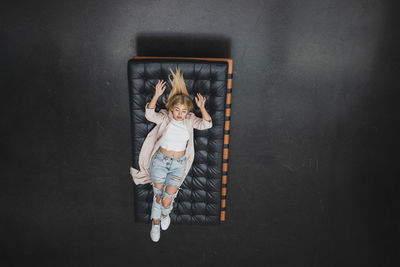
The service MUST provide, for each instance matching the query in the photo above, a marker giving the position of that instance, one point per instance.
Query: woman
(173, 149)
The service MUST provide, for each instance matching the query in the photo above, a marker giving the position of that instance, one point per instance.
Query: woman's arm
(202, 123)
(205, 114)
(205, 122)
(152, 103)
(150, 113)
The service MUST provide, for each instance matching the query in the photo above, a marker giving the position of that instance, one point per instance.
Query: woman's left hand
(200, 100)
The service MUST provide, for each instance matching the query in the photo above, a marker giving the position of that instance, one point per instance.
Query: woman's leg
(173, 182)
(156, 206)
(158, 172)
(169, 196)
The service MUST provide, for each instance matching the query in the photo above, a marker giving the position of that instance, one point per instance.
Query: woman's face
(179, 112)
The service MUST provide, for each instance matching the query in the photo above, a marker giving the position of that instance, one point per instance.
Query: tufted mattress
(202, 198)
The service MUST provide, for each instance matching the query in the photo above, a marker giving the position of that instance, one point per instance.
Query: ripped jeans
(165, 171)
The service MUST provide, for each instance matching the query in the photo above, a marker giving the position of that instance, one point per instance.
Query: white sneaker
(165, 221)
(155, 231)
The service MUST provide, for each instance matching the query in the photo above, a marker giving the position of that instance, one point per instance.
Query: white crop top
(176, 136)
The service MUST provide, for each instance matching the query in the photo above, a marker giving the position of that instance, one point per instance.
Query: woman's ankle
(156, 221)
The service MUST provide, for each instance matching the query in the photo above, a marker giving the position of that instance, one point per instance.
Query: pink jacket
(153, 140)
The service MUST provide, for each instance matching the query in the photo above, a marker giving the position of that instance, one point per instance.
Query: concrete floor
(313, 147)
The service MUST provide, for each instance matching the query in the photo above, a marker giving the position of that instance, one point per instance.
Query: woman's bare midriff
(171, 153)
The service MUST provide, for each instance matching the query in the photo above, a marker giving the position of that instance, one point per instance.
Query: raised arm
(150, 112)
(205, 122)
(202, 123)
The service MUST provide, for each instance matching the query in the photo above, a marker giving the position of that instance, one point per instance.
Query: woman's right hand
(160, 88)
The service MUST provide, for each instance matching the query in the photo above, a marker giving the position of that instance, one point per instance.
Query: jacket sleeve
(200, 123)
(152, 115)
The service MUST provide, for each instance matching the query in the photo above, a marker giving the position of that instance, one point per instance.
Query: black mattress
(199, 200)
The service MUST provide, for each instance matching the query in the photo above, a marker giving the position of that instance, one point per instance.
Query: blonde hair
(179, 93)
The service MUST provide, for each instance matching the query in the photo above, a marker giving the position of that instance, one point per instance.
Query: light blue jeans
(166, 171)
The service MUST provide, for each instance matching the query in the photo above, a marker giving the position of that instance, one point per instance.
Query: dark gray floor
(313, 147)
